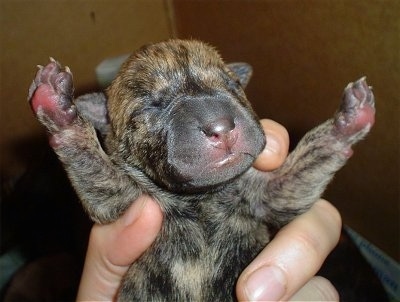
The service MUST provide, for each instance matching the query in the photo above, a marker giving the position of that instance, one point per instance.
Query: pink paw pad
(357, 110)
(51, 94)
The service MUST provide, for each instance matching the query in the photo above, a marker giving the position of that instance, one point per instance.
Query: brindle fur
(212, 229)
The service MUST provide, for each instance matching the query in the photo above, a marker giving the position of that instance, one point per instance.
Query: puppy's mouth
(227, 160)
(212, 171)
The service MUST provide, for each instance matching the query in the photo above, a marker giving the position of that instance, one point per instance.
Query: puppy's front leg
(293, 188)
(104, 190)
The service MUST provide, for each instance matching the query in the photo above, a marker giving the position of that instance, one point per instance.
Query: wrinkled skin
(178, 127)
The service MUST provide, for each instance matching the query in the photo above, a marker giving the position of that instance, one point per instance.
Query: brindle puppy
(178, 127)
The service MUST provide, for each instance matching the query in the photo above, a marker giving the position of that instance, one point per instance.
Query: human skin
(284, 270)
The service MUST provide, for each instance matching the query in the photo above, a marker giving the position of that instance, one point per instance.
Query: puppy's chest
(203, 246)
(213, 238)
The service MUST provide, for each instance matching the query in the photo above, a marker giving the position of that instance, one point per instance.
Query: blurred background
(303, 53)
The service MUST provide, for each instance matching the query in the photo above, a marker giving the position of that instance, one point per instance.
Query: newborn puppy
(178, 127)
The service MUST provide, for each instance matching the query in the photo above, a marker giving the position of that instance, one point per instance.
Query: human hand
(114, 247)
(285, 269)
(297, 250)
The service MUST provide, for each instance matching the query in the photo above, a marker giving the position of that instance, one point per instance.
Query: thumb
(317, 289)
(124, 240)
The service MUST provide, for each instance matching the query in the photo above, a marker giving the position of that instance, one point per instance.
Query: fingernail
(268, 283)
(273, 145)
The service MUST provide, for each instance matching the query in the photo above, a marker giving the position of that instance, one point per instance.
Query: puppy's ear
(243, 71)
(93, 107)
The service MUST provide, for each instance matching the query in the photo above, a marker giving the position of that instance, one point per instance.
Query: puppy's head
(180, 115)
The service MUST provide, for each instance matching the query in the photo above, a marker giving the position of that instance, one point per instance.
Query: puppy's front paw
(51, 95)
(357, 112)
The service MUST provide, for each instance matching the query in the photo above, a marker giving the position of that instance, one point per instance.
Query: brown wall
(303, 53)
(77, 33)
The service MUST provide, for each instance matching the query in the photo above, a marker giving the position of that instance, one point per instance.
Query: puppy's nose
(219, 129)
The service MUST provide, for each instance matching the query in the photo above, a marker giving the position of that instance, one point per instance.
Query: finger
(317, 289)
(293, 256)
(276, 149)
(113, 247)
(134, 232)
